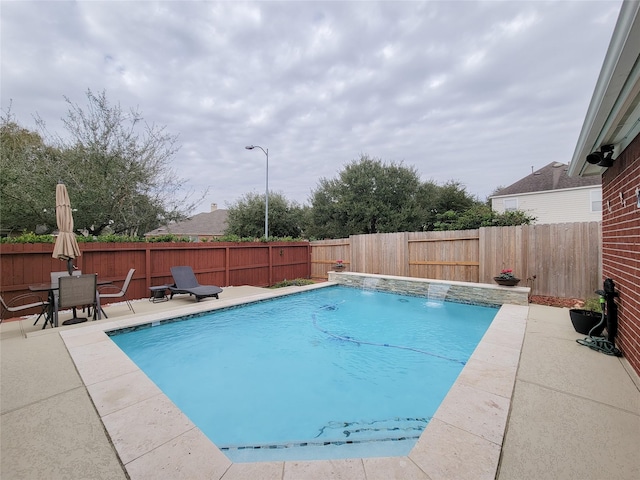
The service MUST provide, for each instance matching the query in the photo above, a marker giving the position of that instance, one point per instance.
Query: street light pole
(266, 197)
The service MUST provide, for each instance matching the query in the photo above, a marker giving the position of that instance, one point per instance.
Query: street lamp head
(249, 147)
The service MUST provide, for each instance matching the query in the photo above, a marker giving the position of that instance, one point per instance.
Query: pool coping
(151, 435)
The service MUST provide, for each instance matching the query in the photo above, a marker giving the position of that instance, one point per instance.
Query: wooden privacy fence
(217, 263)
(438, 255)
(564, 258)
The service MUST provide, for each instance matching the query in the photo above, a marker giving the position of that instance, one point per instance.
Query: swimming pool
(337, 372)
(151, 435)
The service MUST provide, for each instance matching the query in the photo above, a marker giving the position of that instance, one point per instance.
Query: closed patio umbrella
(66, 247)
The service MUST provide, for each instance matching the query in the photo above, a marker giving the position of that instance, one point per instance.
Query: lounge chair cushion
(186, 282)
(200, 292)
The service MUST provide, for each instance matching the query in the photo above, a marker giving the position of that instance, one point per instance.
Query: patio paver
(575, 413)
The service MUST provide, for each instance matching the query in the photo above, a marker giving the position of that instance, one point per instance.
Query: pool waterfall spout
(437, 292)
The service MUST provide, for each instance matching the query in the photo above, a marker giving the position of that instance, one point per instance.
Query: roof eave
(556, 190)
(613, 114)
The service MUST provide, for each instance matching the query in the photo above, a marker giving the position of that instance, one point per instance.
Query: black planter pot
(506, 282)
(584, 320)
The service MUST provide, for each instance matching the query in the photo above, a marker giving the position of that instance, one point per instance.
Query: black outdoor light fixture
(603, 157)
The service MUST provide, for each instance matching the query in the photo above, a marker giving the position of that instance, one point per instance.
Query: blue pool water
(331, 373)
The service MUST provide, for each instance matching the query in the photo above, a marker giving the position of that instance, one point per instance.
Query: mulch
(556, 301)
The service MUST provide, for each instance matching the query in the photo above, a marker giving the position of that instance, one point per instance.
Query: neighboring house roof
(612, 117)
(550, 177)
(203, 224)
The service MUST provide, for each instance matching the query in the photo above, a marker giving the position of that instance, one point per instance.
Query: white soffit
(613, 117)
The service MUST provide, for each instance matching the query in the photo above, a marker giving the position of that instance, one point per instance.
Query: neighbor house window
(510, 204)
(596, 201)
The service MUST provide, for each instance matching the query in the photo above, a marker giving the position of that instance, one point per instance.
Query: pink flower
(506, 273)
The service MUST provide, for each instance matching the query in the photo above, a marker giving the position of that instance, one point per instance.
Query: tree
(496, 191)
(246, 216)
(368, 196)
(117, 169)
(436, 199)
(25, 179)
(480, 215)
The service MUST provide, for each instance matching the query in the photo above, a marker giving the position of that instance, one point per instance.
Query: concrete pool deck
(574, 413)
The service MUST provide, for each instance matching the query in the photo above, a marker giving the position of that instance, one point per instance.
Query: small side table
(159, 293)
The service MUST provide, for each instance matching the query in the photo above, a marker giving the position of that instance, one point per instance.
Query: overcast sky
(477, 92)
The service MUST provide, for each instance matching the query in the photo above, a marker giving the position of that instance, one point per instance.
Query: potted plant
(339, 266)
(506, 278)
(587, 317)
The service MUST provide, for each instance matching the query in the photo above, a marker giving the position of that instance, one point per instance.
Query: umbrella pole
(70, 266)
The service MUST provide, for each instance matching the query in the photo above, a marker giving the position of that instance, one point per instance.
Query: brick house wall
(621, 245)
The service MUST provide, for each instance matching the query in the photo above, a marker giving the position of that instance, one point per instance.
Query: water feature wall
(370, 283)
(437, 292)
(461, 292)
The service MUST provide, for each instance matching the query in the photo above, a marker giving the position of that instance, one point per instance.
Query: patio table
(51, 289)
(159, 293)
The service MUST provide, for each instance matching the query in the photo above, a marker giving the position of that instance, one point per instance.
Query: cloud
(477, 92)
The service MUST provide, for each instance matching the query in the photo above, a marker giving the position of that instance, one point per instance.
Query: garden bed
(557, 301)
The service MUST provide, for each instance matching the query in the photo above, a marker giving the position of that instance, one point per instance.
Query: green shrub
(168, 238)
(29, 237)
(239, 239)
(298, 282)
(233, 238)
(593, 304)
(109, 238)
